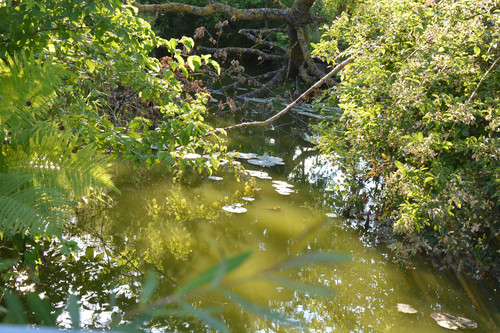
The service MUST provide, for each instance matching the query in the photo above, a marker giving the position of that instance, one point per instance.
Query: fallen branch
(280, 114)
(240, 50)
(244, 80)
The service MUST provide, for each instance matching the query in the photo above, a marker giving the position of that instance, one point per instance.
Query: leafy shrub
(419, 113)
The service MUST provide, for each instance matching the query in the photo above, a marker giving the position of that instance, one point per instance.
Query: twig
(280, 114)
(482, 79)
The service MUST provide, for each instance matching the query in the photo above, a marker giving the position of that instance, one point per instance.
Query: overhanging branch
(280, 114)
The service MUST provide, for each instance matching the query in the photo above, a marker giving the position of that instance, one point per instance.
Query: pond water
(178, 230)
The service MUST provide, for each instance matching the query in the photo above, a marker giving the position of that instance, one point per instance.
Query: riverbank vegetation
(417, 131)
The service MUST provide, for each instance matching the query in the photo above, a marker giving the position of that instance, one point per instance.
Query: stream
(178, 230)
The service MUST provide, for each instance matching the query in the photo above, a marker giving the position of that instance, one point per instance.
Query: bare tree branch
(260, 41)
(280, 114)
(242, 80)
(268, 87)
(212, 7)
(240, 51)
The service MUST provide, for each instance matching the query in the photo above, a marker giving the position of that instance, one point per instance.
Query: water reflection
(178, 229)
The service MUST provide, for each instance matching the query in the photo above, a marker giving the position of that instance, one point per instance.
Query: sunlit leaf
(406, 308)
(451, 322)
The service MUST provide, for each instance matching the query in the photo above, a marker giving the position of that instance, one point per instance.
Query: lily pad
(451, 322)
(235, 208)
(281, 184)
(272, 159)
(406, 308)
(259, 174)
(285, 191)
(261, 163)
(215, 178)
(245, 156)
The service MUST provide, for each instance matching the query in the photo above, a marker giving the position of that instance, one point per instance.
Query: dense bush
(419, 116)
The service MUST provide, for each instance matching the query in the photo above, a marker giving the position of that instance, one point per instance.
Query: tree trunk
(296, 60)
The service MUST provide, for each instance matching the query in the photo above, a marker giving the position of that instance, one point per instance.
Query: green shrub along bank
(419, 117)
(77, 89)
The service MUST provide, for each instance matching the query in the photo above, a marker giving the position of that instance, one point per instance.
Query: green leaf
(90, 65)
(213, 272)
(7, 263)
(149, 287)
(399, 165)
(304, 288)
(477, 50)
(205, 316)
(42, 309)
(314, 258)
(74, 311)
(429, 179)
(16, 310)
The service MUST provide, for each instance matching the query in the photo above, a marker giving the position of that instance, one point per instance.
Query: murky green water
(179, 230)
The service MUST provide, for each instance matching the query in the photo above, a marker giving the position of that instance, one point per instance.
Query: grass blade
(304, 288)
(213, 273)
(267, 313)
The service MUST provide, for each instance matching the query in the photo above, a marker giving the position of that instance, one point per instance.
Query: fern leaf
(26, 208)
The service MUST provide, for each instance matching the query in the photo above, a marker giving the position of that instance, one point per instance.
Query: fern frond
(26, 86)
(56, 163)
(26, 208)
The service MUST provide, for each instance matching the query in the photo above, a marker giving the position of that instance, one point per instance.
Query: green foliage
(419, 115)
(41, 167)
(115, 94)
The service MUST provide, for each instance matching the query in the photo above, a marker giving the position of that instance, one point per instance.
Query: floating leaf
(406, 308)
(261, 163)
(285, 191)
(235, 208)
(451, 322)
(272, 159)
(245, 156)
(280, 183)
(259, 174)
